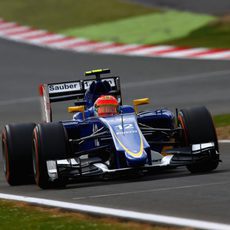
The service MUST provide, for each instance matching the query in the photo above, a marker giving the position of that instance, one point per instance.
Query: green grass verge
(14, 216)
(56, 15)
(215, 35)
(222, 120)
(119, 21)
(147, 29)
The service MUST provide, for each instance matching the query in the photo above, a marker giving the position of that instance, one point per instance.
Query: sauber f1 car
(95, 144)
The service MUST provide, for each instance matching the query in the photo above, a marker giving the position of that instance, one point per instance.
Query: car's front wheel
(49, 143)
(198, 127)
(17, 153)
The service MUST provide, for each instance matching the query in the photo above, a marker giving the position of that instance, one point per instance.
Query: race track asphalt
(215, 7)
(167, 82)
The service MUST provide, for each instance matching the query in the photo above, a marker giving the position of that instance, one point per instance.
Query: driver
(96, 89)
(106, 106)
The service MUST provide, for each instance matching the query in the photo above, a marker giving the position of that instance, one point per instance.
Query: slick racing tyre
(49, 143)
(198, 127)
(17, 153)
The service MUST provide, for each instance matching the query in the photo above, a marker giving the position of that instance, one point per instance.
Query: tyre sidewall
(49, 143)
(17, 153)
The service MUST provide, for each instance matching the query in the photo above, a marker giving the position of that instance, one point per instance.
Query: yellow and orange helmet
(106, 106)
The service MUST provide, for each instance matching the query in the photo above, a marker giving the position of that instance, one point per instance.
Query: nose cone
(136, 159)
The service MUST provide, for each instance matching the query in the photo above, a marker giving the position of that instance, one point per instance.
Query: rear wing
(71, 90)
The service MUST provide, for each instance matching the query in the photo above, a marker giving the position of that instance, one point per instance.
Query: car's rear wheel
(198, 128)
(49, 143)
(17, 153)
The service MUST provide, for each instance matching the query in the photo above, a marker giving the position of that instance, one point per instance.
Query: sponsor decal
(134, 142)
(87, 83)
(64, 87)
(126, 132)
(125, 129)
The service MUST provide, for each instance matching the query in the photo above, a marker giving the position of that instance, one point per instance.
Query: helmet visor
(107, 110)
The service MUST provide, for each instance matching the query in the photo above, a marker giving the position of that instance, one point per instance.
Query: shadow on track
(162, 175)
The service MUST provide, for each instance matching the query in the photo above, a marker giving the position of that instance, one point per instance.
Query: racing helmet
(106, 105)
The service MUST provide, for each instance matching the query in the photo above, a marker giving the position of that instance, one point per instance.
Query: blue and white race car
(105, 137)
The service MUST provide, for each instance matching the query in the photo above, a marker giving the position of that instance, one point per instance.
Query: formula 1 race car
(105, 137)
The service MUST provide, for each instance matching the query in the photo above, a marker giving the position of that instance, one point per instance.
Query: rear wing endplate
(71, 90)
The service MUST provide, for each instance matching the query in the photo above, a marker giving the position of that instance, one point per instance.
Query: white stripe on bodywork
(197, 147)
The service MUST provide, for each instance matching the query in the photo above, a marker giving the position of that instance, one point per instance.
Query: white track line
(125, 214)
(19, 101)
(224, 141)
(150, 190)
(175, 79)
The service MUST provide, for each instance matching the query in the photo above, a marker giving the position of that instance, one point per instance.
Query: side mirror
(137, 102)
(74, 109)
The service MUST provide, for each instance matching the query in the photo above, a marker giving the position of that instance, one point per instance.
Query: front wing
(75, 168)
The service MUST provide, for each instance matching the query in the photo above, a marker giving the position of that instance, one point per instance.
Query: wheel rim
(5, 156)
(181, 121)
(35, 157)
